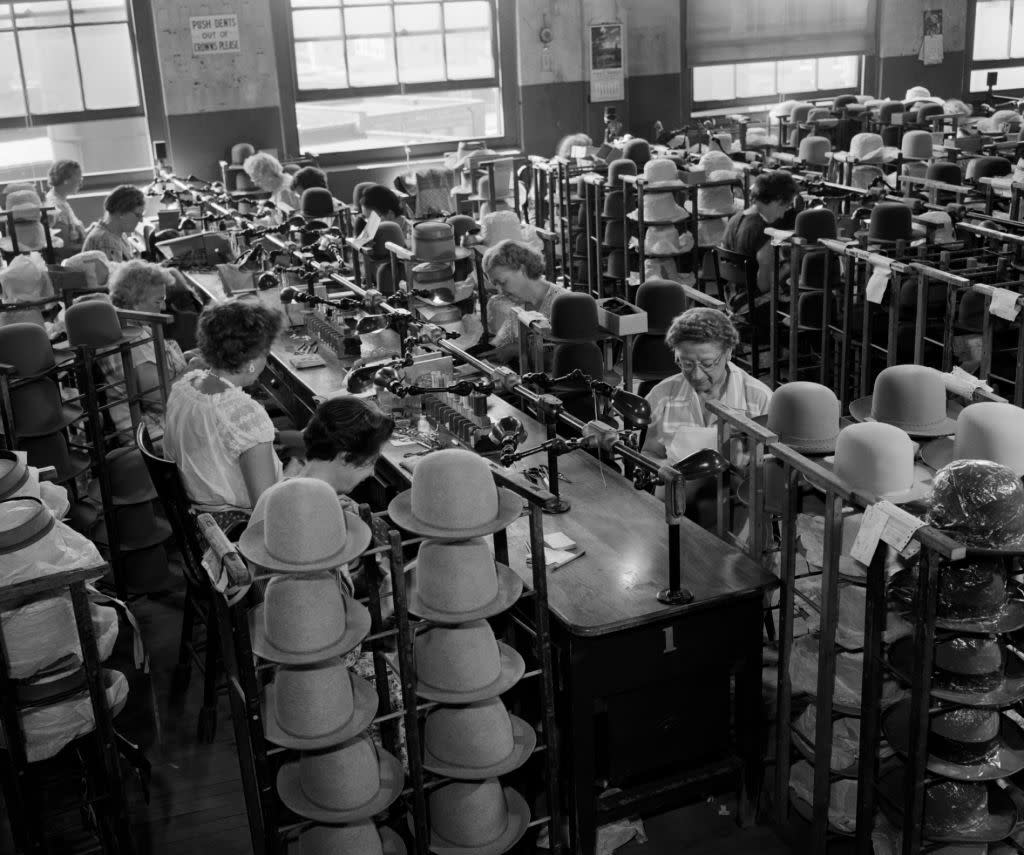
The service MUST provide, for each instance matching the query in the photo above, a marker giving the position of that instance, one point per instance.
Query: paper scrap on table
(877, 284)
(1004, 304)
(555, 558)
(558, 540)
(369, 230)
(886, 522)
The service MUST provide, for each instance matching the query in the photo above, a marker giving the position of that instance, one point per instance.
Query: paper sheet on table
(555, 558)
(689, 439)
(369, 230)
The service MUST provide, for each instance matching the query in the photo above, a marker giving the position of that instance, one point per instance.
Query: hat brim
(525, 742)
(1009, 691)
(253, 547)
(518, 822)
(993, 827)
(510, 506)
(1010, 618)
(920, 489)
(512, 669)
(938, 453)
(804, 446)
(861, 411)
(67, 414)
(357, 627)
(364, 707)
(137, 496)
(510, 589)
(460, 253)
(671, 221)
(157, 534)
(392, 779)
(736, 207)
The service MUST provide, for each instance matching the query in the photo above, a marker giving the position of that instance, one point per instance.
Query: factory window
(396, 74)
(998, 44)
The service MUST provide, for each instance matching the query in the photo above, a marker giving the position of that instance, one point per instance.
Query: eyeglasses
(688, 366)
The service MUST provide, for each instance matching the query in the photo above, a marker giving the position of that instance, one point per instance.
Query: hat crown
(26, 347)
(802, 410)
(433, 240)
(946, 172)
(473, 736)
(361, 838)
(304, 614)
(662, 299)
(462, 224)
(128, 474)
(815, 223)
(617, 168)
(454, 489)
(717, 200)
(614, 204)
(979, 502)
(343, 778)
(240, 151)
(909, 397)
(875, 458)
(714, 160)
(469, 813)
(614, 233)
(460, 658)
(915, 93)
(92, 322)
(387, 232)
(917, 144)
(639, 151)
(888, 109)
(891, 221)
(866, 146)
(661, 169)
(313, 700)
(800, 111)
(991, 431)
(317, 202)
(814, 150)
(987, 167)
(574, 314)
(841, 101)
(304, 524)
(456, 577)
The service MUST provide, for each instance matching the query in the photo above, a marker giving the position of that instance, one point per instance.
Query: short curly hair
(701, 324)
(515, 256)
(566, 143)
(265, 170)
(383, 201)
(235, 332)
(124, 199)
(351, 427)
(774, 187)
(131, 281)
(62, 171)
(309, 176)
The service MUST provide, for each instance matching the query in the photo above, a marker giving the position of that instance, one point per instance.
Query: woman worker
(65, 179)
(123, 210)
(266, 172)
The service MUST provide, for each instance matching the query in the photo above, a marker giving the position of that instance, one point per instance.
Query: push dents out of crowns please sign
(214, 34)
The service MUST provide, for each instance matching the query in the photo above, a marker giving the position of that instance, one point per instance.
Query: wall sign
(606, 50)
(214, 34)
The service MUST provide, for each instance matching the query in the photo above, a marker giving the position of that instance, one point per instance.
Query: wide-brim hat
(27, 522)
(39, 410)
(917, 145)
(472, 728)
(94, 323)
(130, 483)
(987, 167)
(660, 172)
(814, 150)
(911, 397)
(660, 209)
(870, 455)
(392, 780)
(252, 545)
(517, 811)
(356, 628)
(364, 708)
(806, 416)
(26, 347)
(330, 839)
(990, 827)
(472, 643)
(987, 430)
(869, 148)
(52, 450)
(139, 526)
(1005, 758)
(14, 474)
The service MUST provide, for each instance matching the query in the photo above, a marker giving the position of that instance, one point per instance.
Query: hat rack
(49, 253)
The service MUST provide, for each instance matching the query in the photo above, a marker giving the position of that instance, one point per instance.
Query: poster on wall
(931, 52)
(214, 34)
(607, 62)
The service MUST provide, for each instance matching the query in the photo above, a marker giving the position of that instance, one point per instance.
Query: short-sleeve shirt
(675, 404)
(72, 232)
(507, 325)
(143, 352)
(114, 246)
(207, 434)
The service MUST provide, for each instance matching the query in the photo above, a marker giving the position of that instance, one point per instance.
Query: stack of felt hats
(575, 331)
(308, 620)
(663, 300)
(457, 585)
(239, 153)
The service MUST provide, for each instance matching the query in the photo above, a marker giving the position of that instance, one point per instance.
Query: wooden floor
(196, 803)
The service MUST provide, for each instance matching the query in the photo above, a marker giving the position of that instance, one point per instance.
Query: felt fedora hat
(460, 581)
(878, 459)
(347, 783)
(814, 150)
(454, 497)
(980, 504)
(964, 743)
(39, 409)
(574, 317)
(888, 109)
(129, 479)
(618, 168)
(26, 348)
(462, 225)
(476, 818)
(638, 151)
(868, 148)
(240, 151)
(614, 234)
(476, 741)
(304, 530)
(616, 264)
(663, 300)
(387, 232)
(917, 145)
(53, 450)
(317, 202)
(614, 205)
(652, 358)
(94, 323)
(139, 526)
(464, 663)
(987, 430)
(306, 619)
(660, 172)
(317, 705)
(842, 101)
(805, 415)
(660, 209)
(890, 222)
(358, 838)
(911, 397)
(435, 241)
(987, 167)
(946, 172)
(14, 475)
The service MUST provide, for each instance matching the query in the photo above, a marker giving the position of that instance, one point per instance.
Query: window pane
(317, 23)
(371, 62)
(991, 25)
(321, 65)
(754, 79)
(44, 13)
(796, 75)
(1017, 34)
(316, 4)
(353, 124)
(98, 11)
(51, 73)
(12, 99)
(416, 19)
(838, 72)
(373, 20)
(347, 3)
(5, 17)
(1011, 77)
(108, 67)
(469, 55)
(420, 59)
(713, 83)
(459, 16)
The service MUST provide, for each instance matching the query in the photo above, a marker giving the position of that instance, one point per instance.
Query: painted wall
(901, 32)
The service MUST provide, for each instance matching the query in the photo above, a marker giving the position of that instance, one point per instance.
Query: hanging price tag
(877, 284)
(869, 534)
(1004, 304)
(884, 522)
(959, 382)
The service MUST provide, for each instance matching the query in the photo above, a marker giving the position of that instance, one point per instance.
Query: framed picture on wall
(606, 49)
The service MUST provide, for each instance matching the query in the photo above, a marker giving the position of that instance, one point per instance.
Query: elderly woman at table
(123, 210)
(65, 179)
(142, 287)
(266, 172)
(220, 437)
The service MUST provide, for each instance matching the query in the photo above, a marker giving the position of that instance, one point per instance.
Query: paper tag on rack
(1004, 304)
(959, 382)
(878, 283)
(369, 230)
(885, 522)
(634, 277)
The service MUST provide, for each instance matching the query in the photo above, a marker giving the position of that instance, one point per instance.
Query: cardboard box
(621, 318)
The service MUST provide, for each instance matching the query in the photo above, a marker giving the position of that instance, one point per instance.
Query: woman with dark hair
(123, 209)
(65, 179)
(385, 204)
(772, 197)
(220, 437)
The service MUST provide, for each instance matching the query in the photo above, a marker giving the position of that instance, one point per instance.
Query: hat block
(477, 817)
(911, 397)
(464, 663)
(359, 838)
(987, 430)
(476, 741)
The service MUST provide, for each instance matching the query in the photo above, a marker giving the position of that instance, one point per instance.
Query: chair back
(740, 271)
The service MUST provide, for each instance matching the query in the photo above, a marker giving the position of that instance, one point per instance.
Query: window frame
(30, 119)
(503, 31)
(711, 107)
(973, 65)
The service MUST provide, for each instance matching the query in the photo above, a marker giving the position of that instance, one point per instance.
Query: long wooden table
(648, 715)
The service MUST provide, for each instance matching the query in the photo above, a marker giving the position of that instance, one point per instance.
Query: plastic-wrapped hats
(911, 397)
(465, 663)
(476, 818)
(26, 207)
(878, 459)
(984, 431)
(980, 504)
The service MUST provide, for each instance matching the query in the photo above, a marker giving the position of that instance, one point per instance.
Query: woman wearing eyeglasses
(124, 209)
(702, 341)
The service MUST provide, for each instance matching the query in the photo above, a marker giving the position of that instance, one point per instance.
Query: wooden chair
(737, 274)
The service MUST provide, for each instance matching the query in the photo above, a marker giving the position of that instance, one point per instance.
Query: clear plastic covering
(845, 737)
(979, 503)
(842, 806)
